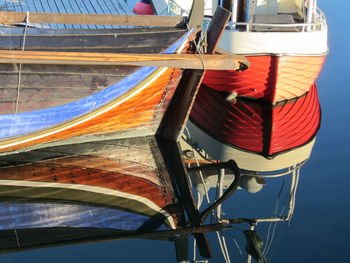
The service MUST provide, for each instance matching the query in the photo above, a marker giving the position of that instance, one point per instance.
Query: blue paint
(39, 215)
(26, 122)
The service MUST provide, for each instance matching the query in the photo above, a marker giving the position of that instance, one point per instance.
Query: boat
(260, 181)
(235, 136)
(83, 117)
(285, 41)
(262, 128)
(62, 83)
(86, 192)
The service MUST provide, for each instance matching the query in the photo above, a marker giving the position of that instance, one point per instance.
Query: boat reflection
(269, 143)
(85, 192)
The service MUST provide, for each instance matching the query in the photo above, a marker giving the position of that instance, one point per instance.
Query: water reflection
(269, 143)
(85, 192)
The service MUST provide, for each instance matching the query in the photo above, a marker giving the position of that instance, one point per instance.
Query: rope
(20, 64)
(17, 239)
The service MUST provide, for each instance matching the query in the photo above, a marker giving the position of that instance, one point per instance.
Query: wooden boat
(255, 127)
(81, 127)
(285, 41)
(66, 175)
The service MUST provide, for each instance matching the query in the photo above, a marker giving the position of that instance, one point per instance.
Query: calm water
(319, 229)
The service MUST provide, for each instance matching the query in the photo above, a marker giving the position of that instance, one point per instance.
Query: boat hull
(255, 127)
(132, 106)
(269, 78)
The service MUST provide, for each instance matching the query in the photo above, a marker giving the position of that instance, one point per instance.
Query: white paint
(181, 7)
(299, 43)
(246, 160)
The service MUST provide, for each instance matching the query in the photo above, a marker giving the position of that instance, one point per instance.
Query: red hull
(264, 129)
(270, 78)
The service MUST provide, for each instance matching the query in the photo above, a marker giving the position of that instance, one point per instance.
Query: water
(319, 229)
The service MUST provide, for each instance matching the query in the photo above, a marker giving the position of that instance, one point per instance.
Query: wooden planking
(114, 164)
(45, 86)
(90, 19)
(139, 110)
(72, 174)
(256, 127)
(185, 61)
(12, 68)
(270, 78)
(154, 41)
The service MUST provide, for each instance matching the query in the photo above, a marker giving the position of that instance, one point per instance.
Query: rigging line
(275, 214)
(227, 260)
(225, 247)
(277, 242)
(273, 234)
(202, 179)
(17, 239)
(20, 64)
(198, 49)
(237, 246)
(272, 238)
(194, 250)
(293, 194)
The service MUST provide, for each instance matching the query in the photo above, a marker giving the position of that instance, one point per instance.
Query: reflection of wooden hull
(258, 128)
(270, 78)
(85, 190)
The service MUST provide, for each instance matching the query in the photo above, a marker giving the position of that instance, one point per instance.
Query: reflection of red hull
(267, 130)
(271, 78)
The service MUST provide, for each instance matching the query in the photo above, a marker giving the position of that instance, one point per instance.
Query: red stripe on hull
(270, 78)
(258, 128)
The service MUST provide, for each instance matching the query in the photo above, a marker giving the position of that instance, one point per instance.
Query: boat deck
(116, 7)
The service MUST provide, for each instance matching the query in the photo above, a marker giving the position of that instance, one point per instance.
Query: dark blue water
(319, 230)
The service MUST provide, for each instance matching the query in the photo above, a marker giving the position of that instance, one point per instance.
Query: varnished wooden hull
(136, 101)
(259, 128)
(269, 78)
